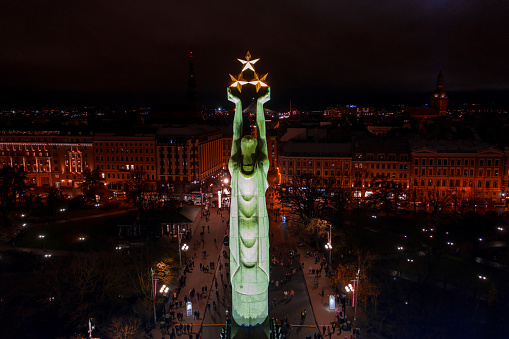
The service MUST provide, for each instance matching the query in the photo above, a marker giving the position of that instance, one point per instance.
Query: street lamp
(328, 246)
(164, 289)
(41, 236)
(185, 248)
(355, 289)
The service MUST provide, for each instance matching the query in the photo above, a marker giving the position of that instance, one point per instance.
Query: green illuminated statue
(249, 222)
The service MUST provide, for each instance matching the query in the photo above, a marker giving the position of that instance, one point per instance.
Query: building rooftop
(318, 149)
(186, 130)
(381, 145)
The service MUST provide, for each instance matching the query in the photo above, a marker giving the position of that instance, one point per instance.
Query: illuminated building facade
(272, 148)
(117, 156)
(49, 159)
(466, 172)
(332, 161)
(445, 170)
(226, 145)
(383, 160)
(189, 153)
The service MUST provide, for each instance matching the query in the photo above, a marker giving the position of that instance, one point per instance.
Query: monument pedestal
(259, 332)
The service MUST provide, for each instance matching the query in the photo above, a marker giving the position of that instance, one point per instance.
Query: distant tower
(439, 97)
(192, 93)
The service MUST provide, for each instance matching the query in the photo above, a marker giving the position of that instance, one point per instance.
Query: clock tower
(439, 97)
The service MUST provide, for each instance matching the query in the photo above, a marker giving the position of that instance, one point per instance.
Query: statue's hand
(263, 99)
(232, 97)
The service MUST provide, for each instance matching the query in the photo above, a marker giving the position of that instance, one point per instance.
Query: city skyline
(315, 54)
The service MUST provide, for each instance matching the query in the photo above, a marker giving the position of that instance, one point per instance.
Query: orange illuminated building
(49, 158)
(464, 172)
(117, 156)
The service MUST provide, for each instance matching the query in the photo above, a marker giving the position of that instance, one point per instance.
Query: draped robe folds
(249, 245)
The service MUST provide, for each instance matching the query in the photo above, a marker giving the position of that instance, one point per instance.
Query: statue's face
(248, 145)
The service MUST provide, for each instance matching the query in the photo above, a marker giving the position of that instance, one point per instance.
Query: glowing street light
(164, 289)
(328, 246)
(42, 236)
(184, 249)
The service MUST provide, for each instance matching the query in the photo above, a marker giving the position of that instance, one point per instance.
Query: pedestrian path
(204, 251)
(319, 288)
(293, 275)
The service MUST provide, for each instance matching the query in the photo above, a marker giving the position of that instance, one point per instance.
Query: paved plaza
(287, 275)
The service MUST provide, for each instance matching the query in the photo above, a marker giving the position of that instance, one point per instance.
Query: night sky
(321, 52)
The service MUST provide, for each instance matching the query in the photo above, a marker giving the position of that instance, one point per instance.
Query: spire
(439, 97)
(192, 93)
(440, 80)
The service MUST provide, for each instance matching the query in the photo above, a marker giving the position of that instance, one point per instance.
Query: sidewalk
(197, 278)
(323, 315)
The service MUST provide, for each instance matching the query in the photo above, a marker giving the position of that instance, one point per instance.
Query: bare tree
(386, 193)
(309, 198)
(84, 285)
(13, 184)
(345, 272)
(137, 188)
(93, 184)
(436, 201)
(123, 328)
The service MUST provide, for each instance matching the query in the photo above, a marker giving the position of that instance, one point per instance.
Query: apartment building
(118, 155)
(325, 160)
(49, 158)
(466, 169)
(381, 159)
(188, 153)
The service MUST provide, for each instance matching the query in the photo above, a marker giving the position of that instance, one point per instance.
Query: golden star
(259, 81)
(238, 81)
(248, 63)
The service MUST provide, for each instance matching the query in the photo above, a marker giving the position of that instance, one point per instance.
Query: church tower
(192, 93)
(439, 97)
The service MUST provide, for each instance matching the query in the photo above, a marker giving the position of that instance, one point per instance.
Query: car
(226, 240)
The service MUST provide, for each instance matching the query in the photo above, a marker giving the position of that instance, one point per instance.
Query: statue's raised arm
(262, 133)
(237, 126)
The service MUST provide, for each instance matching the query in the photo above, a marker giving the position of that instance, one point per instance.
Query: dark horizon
(301, 99)
(321, 54)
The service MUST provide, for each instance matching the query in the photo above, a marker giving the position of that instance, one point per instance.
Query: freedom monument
(249, 222)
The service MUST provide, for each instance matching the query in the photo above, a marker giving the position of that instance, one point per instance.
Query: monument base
(259, 332)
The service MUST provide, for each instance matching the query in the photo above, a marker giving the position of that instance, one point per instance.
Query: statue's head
(248, 145)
